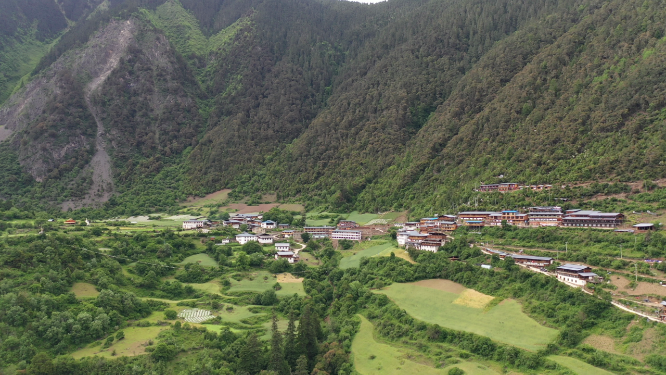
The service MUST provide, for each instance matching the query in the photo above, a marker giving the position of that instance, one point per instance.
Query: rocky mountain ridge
(399, 104)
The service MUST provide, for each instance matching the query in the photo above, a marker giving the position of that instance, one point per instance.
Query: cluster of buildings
(254, 222)
(512, 186)
(543, 217)
(335, 233)
(427, 234)
(573, 274)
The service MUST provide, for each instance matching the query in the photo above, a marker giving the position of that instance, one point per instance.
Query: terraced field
(453, 306)
(259, 284)
(355, 260)
(577, 366)
(375, 358)
(196, 315)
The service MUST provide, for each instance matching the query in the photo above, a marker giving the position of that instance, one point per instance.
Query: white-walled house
(268, 224)
(193, 224)
(353, 235)
(288, 233)
(288, 255)
(430, 246)
(265, 239)
(403, 236)
(282, 246)
(245, 237)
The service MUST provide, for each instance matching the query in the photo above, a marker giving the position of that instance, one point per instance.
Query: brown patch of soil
(604, 343)
(218, 195)
(441, 284)
(643, 288)
(644, 347)
(288, 278)
(242, 208)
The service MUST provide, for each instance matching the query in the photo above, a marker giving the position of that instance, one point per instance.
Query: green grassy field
(131, 345)
(213, 198)
(212, 287)
(355, 260)
(258, 284)
(202, 259)
(236, 315)
(375, 358)
(83, 290)
(578, 366)
(505, 322)
(362, 219)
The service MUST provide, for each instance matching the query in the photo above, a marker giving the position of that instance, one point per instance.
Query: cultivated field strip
(196, 315)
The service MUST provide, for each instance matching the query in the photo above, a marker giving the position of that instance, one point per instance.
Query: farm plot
(400, 253)
(355, 260)
(375, 358)
(577, 366)
(362, 219)
(643, 288)
(202, 259)
(453, 306)
(195, 315)
(134, 343)
(83, 290)
(212, 287)
(262, 281)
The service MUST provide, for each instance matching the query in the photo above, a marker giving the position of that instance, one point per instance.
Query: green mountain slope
(399, 104)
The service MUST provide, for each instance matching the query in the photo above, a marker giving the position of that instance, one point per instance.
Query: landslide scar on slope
(102, 180)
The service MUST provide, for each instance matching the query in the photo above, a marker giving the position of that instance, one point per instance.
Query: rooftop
(245, 234)
(530, 257)
(285, 253)
(572, 267)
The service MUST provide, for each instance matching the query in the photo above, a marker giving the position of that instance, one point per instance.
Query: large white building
(288, 255)
(265, 239)
(281, 246)
(576, 274)
(268, 224)
(353, 235)
(403, 236)
(432, 246)
(245, 237)
(193, 224)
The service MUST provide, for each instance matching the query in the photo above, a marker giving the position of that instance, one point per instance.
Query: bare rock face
(50, 120)
(100, 106)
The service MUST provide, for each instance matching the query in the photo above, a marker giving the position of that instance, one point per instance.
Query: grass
(361, 219)
(400, 253)
(355, 260)
(83, 290)
(131, 345)
(212, 287)
(213, 198)
(292, 207)
(258, 284)
(202, 259)
(505, 322)
(375, 358)
(578, 366)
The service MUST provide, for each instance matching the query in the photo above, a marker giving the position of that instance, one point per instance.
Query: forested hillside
(402, 104)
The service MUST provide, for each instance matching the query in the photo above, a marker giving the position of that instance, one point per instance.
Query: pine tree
(250, 358)
(276, 360)
(308, 329)
(301, 366)
(291, 349)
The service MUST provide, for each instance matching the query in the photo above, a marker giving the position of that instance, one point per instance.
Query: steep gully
(102, 180)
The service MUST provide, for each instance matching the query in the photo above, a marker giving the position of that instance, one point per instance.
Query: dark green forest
(402, 104)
